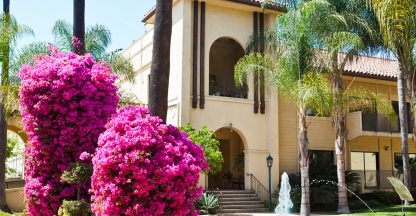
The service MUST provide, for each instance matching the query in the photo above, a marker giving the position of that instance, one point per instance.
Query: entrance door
(225, 148)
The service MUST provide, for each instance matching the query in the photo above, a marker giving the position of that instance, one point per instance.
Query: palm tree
(290, 68)
(11, 31)
(159, 73)
(97, 39)
(79, 26)
(299, 37)
(345, 28)
(397, 20)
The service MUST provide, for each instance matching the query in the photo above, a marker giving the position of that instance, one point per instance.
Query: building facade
(208, 38)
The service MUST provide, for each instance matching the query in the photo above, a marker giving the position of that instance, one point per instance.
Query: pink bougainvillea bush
(66, 101)
(143, 167)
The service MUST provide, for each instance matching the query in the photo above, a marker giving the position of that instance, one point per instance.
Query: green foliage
(270, 207)
(12, 143)
(239, 164)
(385, 197)
(206, 139)
(312, 90)
(10, 32)
(128, 99)
(77, 173)
(75, 208)
(357, 204)
(321, 192)
(398, 162)
(207, 204)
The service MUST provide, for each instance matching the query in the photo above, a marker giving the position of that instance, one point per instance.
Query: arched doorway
(224, 54)
(232, 148)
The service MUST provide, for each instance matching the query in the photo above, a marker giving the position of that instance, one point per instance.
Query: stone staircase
(239, 201)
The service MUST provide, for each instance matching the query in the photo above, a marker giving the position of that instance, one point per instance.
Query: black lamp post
(270, 164)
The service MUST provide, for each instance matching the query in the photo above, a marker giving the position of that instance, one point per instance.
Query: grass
(387, 211)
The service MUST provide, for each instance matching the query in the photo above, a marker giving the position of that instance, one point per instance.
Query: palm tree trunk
(403, 123)
(79, 26)
(305, 207)
(159, 72)
(3, 123)
(6, 6)
(340, 151)
(3, 145)
(338, 118)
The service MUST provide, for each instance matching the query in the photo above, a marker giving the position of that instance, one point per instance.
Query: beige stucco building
(208, 38)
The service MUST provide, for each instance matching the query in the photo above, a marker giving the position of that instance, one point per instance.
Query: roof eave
(281, 8)
(371, 76)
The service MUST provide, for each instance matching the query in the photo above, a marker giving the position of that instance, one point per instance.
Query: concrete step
(241, 202)
(239, 199)
(251, 210)
(252, 206)
(238, 195)
(231, 192)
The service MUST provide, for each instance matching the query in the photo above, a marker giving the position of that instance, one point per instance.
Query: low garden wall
(15, 200)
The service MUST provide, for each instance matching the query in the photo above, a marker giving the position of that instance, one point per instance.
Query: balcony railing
(377, 179)
(377, 122)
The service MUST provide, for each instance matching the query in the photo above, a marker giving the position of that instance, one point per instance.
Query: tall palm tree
(346, 28)
(10, 32)
(159, 73)
(310, 90)
(320, 21)
(79, 26)
(397, 20)
(290, 68)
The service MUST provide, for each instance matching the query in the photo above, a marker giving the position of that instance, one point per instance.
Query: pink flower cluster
(143, 167)
(66, 101)
(76, 42)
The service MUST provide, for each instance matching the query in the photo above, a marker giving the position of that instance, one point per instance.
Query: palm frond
(97, 39)
(26, 54)
(366, 100)
(128, 99)
(63, 31)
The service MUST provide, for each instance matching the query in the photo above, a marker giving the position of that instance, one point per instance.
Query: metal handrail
(215, 187)
(259, 188)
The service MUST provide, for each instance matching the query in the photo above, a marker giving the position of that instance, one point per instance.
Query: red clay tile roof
(372, 66)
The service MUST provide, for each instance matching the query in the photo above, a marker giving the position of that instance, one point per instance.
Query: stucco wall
(140, 54)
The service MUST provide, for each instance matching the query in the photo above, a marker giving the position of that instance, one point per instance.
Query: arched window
(223, 56)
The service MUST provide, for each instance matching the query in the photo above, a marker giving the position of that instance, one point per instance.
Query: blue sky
(122, 17)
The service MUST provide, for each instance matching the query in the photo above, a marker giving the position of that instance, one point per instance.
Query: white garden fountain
(285, 203)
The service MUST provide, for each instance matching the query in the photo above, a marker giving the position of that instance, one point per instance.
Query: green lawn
(388, 211)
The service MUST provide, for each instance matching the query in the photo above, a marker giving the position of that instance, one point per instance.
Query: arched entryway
(223, 56)
(232, 148)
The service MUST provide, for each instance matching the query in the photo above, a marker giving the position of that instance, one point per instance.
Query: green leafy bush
(206, 139)
(75, 208)
(207, 204)
(385, 197)
(272, 207)
(76, 174)
(239, 164)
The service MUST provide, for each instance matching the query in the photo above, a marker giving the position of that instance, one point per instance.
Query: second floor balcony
(372, 124)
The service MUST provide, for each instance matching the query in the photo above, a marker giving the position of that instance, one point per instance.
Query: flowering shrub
(65, 100)
(143, 167)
